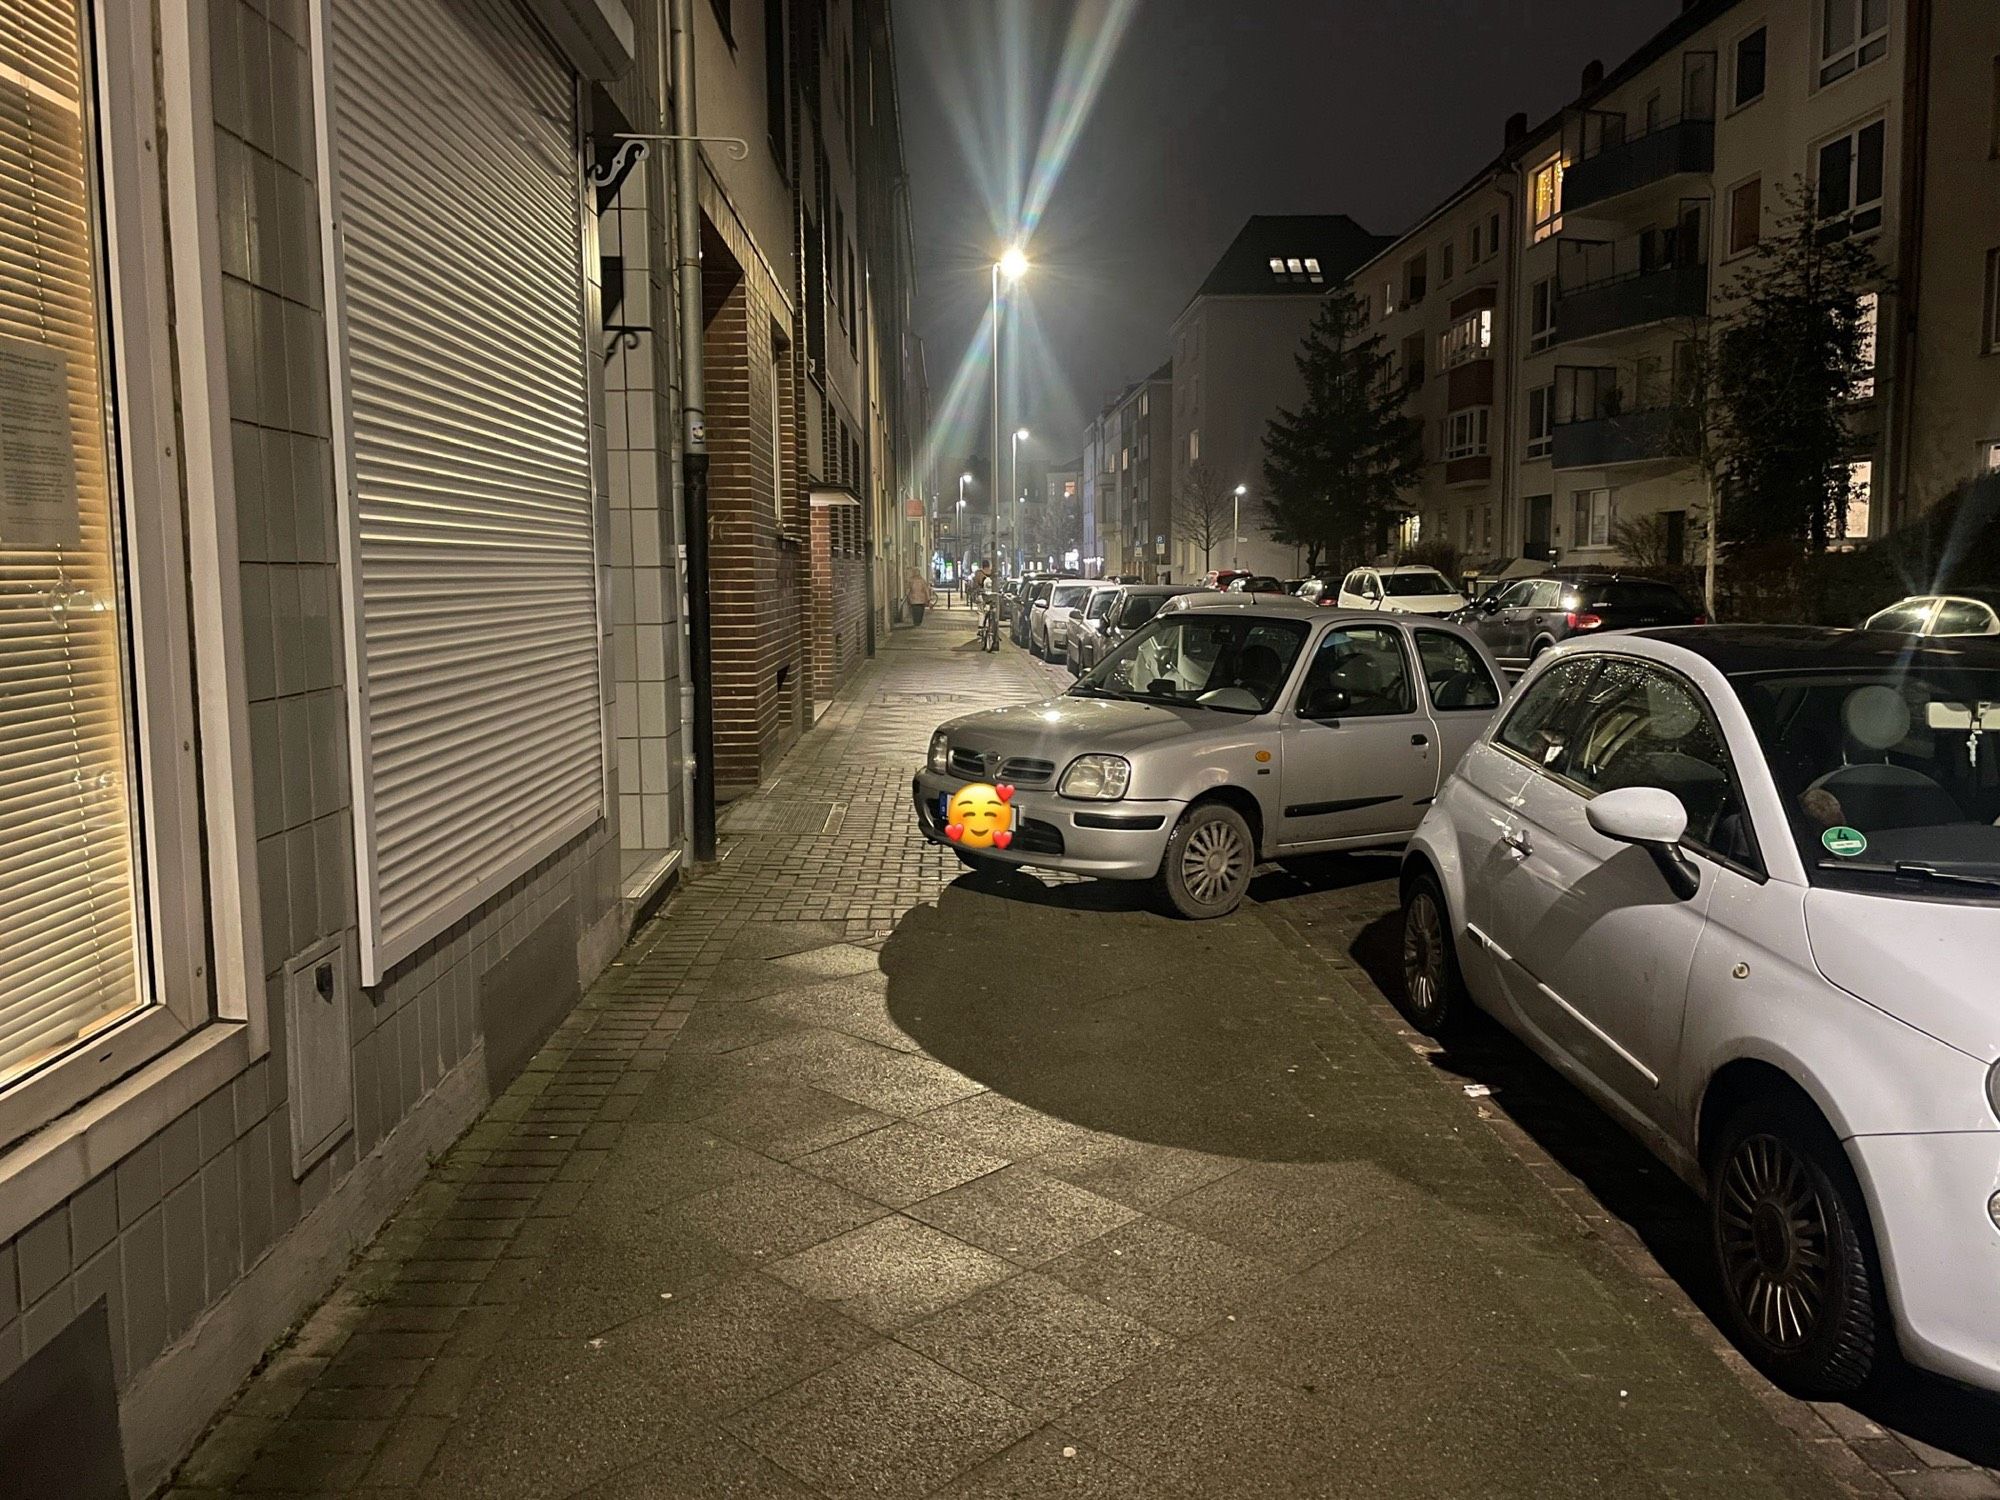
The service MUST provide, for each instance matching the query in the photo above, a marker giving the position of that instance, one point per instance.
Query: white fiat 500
(1742, 885)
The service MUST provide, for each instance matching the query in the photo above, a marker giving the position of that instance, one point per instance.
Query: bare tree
(1204, 509)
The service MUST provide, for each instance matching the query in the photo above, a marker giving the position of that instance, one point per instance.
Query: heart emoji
(954, 831)
(1002, 839)
(1005, 793)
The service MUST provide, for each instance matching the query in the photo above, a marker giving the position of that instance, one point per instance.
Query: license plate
(944, 807)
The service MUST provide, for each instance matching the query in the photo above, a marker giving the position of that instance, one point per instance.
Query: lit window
(1860, 490)
(1545, 198)
(1470, 338)
(1850, 180)
(1541, 314)
(1593, 518)
(1853, 34)
(1541, 423)
(1993, 458)
(1296, 266)
(1277, 266)
(1194, 446)
(1312, 266)
(1388, 297)
(1867, 323)
(1465, 432)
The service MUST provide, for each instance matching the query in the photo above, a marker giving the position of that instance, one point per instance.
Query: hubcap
(1213, 862)
(1423, 955)
(1774, 1238)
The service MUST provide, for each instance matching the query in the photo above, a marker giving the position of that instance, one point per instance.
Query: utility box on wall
(319, 1056)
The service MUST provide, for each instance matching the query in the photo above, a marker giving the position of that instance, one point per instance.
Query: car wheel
(1208, 864)
(1433, 996)
(1801, 1288)
(1535, 651)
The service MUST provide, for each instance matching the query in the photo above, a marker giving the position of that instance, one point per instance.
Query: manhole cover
(777, 816)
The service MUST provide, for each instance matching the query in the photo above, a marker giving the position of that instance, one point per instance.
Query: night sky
(1209, 111)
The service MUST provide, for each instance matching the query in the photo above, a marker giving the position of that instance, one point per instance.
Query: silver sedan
(1216, 738)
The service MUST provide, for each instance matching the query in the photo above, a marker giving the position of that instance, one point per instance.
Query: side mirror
(1653, 819)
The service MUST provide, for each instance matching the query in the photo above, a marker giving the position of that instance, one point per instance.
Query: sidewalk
(858, 1178)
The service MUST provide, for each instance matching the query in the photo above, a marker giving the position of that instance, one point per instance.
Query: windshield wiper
(1912, 869)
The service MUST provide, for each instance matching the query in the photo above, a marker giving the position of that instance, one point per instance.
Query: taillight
(1583, 621)
(1701, 619)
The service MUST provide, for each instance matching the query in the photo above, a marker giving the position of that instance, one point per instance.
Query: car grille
(1015, 770)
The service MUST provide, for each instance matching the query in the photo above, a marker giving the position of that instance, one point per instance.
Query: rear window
(1069, 595)
(1139, 609)
(1629, 593)
(1406, 585)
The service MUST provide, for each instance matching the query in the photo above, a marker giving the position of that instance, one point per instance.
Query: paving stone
(1022, 1215)
(891, 1270)
(1050, 1464)
(1164, 1275)
(900, 1164)
(775, 1214)
(885, 1424)
(786, 1121)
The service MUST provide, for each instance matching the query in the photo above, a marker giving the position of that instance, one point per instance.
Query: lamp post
(1013, 265)
(1236, 527)
(1014, 485)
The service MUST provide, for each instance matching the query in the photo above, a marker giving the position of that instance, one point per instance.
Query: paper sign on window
(38, 497)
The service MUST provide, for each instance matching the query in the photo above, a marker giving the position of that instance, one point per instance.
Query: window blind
(69, 951)
(474, 600)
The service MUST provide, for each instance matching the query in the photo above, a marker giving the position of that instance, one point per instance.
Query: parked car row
(1741, 884)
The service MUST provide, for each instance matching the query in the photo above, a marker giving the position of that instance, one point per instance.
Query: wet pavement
(859, 1175)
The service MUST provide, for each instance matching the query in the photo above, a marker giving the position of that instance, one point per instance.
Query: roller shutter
(471, 569)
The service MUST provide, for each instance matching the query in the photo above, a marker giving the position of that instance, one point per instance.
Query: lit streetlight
(1236, 527)
(1013, 265)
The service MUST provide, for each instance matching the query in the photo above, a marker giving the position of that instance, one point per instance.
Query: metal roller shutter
(471, 566)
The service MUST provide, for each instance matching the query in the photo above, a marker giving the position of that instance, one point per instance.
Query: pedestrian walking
(917, 593)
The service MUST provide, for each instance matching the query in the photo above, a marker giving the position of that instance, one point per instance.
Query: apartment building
(307, 821)
(1235, 347)
(1630, 215)
(1134, 496)
(1438, 299)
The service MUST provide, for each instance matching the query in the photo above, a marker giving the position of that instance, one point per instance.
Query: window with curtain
(70, 952)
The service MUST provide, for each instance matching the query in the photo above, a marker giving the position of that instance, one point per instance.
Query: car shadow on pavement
(1079, 1001)
(1664, 1212)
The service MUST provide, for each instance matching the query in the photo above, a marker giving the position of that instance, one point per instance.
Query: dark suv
(1522, 619)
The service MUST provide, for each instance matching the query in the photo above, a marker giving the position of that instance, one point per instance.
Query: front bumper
(1939, 1245)
(1109, 840)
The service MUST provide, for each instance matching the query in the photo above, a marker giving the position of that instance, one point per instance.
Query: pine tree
(1335, 469)
(1785, 362)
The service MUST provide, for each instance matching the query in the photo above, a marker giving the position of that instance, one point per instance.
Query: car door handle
(1517, 839)
(1420, 739)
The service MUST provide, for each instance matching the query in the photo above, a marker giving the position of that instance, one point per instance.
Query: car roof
(1162, 589)
(1407, 568)
(1757, 650)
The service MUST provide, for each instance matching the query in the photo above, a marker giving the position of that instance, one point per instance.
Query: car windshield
(1099, 603)
(1887, 775)
(1423, 581)
(1069, 595)
(1231, 662)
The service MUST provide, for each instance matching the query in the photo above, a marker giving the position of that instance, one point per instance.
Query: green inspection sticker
(1846, 842)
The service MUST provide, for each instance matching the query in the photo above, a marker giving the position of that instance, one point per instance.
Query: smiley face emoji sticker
(980, 817)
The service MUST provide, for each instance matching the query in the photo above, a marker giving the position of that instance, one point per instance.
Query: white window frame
(1736, 99)
(1541, 424)
(1541, 338)
(1589, 507)
(61, 1124)
(1989, 333)
(1466, 433)
(1863, 49)
(1853, 525)
(1540, 225)
(1990, 455)
(1856, 206)
(1868, 324)
(1468, 339)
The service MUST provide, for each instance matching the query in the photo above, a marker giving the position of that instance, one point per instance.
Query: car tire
(1788, 1228)
(1208, 864)
(1535, 651)
(1432, 997)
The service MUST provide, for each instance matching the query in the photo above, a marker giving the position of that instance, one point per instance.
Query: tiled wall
(644, 601)
(174, 1225)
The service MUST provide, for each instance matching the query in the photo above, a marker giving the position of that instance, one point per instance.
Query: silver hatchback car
(1217, 738)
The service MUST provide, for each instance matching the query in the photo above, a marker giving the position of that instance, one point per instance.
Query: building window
(1445, 268)
(1989, 335)
(1388, 298)
(1313, 272)
(1470, 338)
(1850, 180)
(1545, 199)
(1413, 360)
(1486, 525)
(1541, 421)
(1541, 315)
(1465, 530)
(1993, 458)
(1593, 518)
(1465, 432)
(1194, 446)
(1751, 53)
(1414, 280)
(1867, 324)
(1860, 492)
(775, 98)
(1472, 255)
(1493, 234)
(1993, 133)
(1853, 34)
(778, 426)
(1746, 215)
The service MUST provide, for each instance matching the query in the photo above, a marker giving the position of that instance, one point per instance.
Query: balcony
(1639, 162)
(1633, 300)
(1631, 437)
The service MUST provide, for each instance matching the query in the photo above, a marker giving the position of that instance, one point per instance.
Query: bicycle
(989, 624)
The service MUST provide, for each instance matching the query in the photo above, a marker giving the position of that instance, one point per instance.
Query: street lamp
(1014, 483)
(1013, 264)
(1236, 527)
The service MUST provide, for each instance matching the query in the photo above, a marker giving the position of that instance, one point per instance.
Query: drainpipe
(694, 432)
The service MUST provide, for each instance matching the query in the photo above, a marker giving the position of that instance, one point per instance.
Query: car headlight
(940, 759)
(1099, 778)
